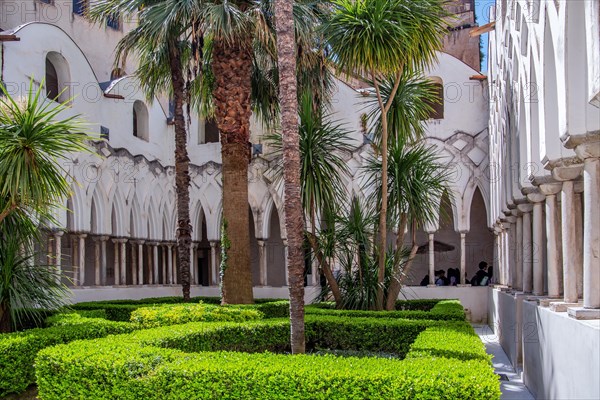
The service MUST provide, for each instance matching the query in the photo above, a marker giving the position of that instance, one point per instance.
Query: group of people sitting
(483, 277)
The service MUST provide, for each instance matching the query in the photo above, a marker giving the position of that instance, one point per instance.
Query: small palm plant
(33, 142)
(323, 141)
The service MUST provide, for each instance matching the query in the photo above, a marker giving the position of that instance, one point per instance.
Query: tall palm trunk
(182, 175)
(294, 221)
(5, 322)
(232, 67)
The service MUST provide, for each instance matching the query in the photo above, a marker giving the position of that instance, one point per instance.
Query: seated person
(441, 278)
(425, 281)
(482, 273)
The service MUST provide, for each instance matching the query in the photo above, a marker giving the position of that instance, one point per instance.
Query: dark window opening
(52, 91)
(437, 103)
(135, 123)
(211, 131)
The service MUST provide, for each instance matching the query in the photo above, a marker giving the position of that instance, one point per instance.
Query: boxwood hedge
(18, 350)
(444, 359)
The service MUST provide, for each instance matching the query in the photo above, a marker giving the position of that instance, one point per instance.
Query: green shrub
(416, 304)
(18, 350)
(172, 314)
(180, 362)
(270, 309)
(443, 310)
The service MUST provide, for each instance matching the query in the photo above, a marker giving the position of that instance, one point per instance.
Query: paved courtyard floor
(513, 388)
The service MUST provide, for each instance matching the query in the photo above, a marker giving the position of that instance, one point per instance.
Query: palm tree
(220, 57)
(33, 142)
(416, 182)
(294, 221)
(322, 142)
(379, 38)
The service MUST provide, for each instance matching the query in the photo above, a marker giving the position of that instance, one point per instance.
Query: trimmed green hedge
(173, 314)
(449, 310)
(401, 305)
(445, 361)
(120, 310)
(18, 350)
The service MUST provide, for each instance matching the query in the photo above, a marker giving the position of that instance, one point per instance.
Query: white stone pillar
(175, 266)
(123, 268)
(591, 234)
(116, 263)
(164, 260)
(150, 249)
(511, 255)
(518, 275)
(499, 273)
(169, 256)
(553, 239)
(287, 278)
(140, 279)
(527, 251)
(431, 251)
(193, 263)
(579, 239)
(463, 257)
(81, 259)
(538, 235)
(97, 261)
(213, 263)
(262, 262)
(155, 262)
(103, 240)
(58, 253)
(569, 246)
(75, 258)
(134, 263)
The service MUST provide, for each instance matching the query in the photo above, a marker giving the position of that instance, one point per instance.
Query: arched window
(437, 103)
(208, 132)
(57, 77)
(140, 120)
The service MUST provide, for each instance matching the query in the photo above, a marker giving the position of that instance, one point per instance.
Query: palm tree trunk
(397, 279)
(232, 67)
(294, 221)
(182, 175)
(5, 323)
(333, 285)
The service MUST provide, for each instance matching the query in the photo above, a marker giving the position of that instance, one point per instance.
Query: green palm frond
(416, 183)
(34, 145)
(382, 36)
(411, 106)
(322, 143)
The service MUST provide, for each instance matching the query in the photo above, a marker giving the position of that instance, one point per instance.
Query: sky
(482, 10)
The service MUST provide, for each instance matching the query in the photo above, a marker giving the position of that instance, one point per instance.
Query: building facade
(544, 80)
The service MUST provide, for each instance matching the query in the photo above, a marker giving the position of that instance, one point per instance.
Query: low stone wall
(559, 356)
(473, 298)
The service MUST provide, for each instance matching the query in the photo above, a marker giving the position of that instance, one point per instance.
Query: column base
(431, 285)
(584, 313)
(545, 302)
(561, 306)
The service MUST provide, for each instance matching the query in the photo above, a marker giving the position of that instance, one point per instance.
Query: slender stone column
(518, 283)
(50, 249)
(134, 262)
(511, 255)
(591, 234)
(569, 246)
(103, 240)
(431, 252)
(213, 263)
(155, 262)
(193, 264)
(140, 258)
(287, 278)
(499, 254)
(58, 253)
(123, 268)
(175, 266)
(553, 239)
(169, 255)
(75, 258)
(116, 262)
(150, 249)
(463, 257)
(262, 262)
(97, 260)
(538, 235)
(82, 259)
(527, 251)
(579, 239)
(165, 259)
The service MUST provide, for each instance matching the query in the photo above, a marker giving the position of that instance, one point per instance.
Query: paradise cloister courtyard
(192, 196)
